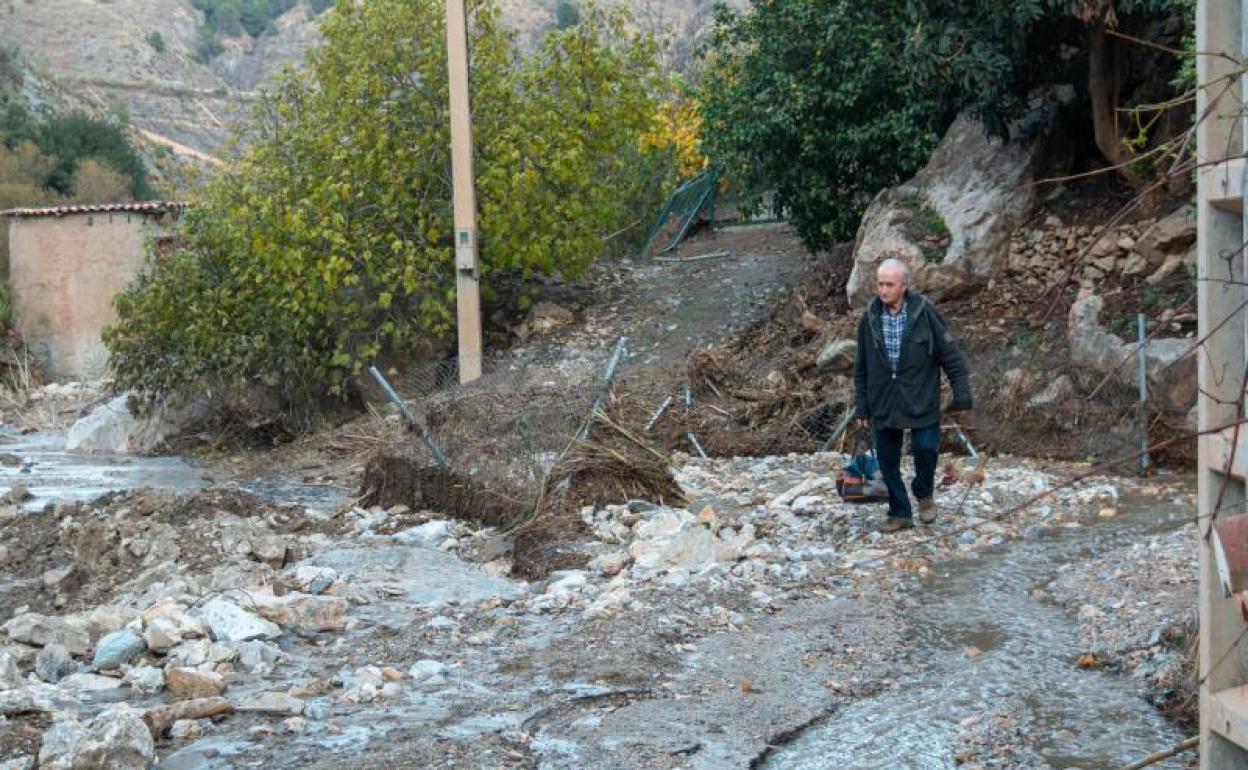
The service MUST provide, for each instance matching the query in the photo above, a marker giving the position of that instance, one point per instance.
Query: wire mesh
(506, 429)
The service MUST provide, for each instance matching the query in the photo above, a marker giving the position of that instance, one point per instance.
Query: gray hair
(895, 264)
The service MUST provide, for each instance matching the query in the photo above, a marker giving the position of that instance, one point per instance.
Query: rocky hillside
(141, 56)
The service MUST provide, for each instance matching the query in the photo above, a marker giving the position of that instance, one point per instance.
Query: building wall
(65, 271)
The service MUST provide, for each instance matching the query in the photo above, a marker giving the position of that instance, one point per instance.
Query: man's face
(889, 288)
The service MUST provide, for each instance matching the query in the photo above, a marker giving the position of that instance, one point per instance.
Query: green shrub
(156, 41)
(827, 102)
(331, 241)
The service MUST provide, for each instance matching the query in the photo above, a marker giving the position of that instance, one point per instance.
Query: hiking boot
(896, 524)
(927, 510)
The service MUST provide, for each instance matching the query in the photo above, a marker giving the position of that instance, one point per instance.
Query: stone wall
(65, 271)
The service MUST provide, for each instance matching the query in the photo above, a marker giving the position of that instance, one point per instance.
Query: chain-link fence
(503, 432)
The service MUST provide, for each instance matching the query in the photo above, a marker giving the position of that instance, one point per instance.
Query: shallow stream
(1080, 719)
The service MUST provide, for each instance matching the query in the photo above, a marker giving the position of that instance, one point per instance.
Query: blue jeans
(924, 443)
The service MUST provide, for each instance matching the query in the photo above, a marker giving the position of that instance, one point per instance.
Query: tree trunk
(1103, 87)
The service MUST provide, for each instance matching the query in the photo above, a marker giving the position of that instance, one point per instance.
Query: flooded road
(982, 640)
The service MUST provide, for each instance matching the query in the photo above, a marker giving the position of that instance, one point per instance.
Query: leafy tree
(98, 182)
(1105, 62)
(829, 101)
(567, 14)
(72, 138)
(331, 241)
(156, 41)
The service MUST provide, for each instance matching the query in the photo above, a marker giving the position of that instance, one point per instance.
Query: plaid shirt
(894, 330)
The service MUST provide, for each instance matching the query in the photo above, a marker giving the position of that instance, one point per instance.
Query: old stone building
(66, 264)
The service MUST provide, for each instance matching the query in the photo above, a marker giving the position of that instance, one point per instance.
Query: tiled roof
(140, 207)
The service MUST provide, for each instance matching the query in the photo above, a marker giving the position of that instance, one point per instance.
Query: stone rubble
(233, 646)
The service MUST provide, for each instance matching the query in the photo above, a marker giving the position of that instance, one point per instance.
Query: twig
(1157, 756)
(693, 440)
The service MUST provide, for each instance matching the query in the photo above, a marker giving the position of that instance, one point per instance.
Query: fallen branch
(1157, 756)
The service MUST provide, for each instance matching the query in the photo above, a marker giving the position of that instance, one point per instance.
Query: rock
(89, 683)
(808, 504)
(688, 545)
(305, 612)
(542, 318)
(117, 648)
(785, 499)
(609, 564)
(1170, 369)
(10, 674)
(1170, 235)
(162, 635)
(837, 356)
(569, 581)
(271, 703)
(160, 718)
(1173, 262)
(41, 630)
(54, 663)
(258, 657)
(101, 621)
(111, 429)
(312, 580)
(294, 725)
(145, 680)
(117, 739)
(431, 534)
(21, 701)
(422, 670)
(424, 575)
(317, 613)
(227, 622)
(1135, 265)
(187, 683)
(1056, 392)
(185, 728)
(18, 763)
(978, 185)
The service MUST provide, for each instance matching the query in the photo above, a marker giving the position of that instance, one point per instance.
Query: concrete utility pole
(1223, 464)
(467, 278)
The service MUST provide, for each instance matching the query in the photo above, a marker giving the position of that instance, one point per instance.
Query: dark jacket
(911, 398)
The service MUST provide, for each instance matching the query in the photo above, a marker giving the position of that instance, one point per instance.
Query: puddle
(1082, 719)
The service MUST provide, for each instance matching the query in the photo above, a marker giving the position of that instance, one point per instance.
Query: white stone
(111, 429)
(117, 739)
(431, 534)
(227, 622)
(41, 630)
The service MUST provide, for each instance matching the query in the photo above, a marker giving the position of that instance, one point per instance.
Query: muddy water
(39, 462)
(1081, 719)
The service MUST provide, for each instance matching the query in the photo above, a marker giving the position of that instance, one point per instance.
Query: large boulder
(953, 221)
(111, 428)
(41, 630)
(1172, 234)
(117, 739)
(1170, 369)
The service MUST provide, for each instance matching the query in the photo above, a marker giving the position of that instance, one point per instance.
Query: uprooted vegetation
(607, 465)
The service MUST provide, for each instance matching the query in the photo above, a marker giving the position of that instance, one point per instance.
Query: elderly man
(903, 343)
